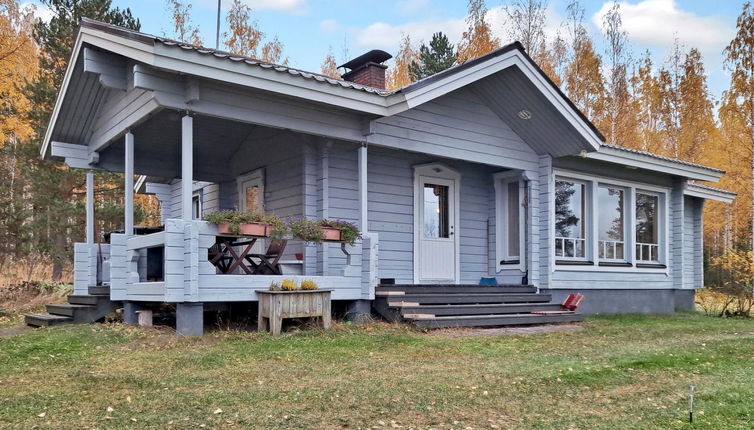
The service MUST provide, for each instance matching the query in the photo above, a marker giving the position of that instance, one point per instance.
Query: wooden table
(227, 259)
(276, 305)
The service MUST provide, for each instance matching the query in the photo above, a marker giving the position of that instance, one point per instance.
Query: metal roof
(660, 157)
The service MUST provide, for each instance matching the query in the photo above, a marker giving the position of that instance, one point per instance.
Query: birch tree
(477, 40)
(329, 67)
(184, 30)
(399, 75)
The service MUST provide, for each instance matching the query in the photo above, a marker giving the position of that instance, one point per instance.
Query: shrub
(274, 286)
(308, 285)
(288, 285)
(737, 273)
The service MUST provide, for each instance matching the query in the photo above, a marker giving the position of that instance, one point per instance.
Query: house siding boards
(457, 125)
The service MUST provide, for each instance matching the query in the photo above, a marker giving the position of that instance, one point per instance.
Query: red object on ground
(570, 305)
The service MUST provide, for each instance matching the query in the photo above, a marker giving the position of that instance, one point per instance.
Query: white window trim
(254, 174)
(661, 225)
(501, 181)
(632, 187)
(198, 195)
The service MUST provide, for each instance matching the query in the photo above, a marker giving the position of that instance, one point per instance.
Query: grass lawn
(622, 372)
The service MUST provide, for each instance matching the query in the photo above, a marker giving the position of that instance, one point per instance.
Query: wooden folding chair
(269, 261)
(571, 303)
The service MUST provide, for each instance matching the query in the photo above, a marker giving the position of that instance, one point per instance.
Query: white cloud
(42, 12)
(329, 26)
(388, 36)
(657, 23)
(410, 7)
(291, 6)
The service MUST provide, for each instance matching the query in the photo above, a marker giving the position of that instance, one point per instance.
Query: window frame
(627, 205)
(199, 205)
(503, 259)
(630, 264)
(587, 220)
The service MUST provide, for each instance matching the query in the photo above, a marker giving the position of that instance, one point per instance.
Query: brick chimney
(367, 69)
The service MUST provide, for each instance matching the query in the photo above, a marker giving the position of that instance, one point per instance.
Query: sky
(310, 28)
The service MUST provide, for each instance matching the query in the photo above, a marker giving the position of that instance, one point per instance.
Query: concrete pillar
(128, 173)
(130, 312)
(187, 166)
(189, 319)
(359, 311)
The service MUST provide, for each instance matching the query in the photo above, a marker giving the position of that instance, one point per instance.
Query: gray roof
(148, 38)
(713, 189)
(660, 157)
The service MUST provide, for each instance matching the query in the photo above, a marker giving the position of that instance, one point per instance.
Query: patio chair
(571, 303)
(269, 262)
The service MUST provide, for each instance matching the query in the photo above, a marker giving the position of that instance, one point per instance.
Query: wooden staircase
(443, 306)
(80, 309)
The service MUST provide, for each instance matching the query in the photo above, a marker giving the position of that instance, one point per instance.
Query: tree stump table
(276, 305)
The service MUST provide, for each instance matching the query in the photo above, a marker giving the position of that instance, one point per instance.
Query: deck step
(494, 320)
(67, 309)
(455, 289)
(473, 298)
(100, 290)
(84, 299)
(479, 309)
(46, 320)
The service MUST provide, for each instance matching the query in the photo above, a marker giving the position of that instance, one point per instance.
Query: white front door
(437, 217)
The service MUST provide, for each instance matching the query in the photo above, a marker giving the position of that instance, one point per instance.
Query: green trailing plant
(306, 230)
(235, 218)
(348, 231)
(275, 286)
(288, 285)
(308, 285)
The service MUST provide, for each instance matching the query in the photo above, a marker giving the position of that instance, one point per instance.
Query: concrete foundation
(359, 311)
(612, 301)
(131, 312)
(189, 319)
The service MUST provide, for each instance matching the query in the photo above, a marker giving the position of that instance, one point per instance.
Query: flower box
(331, 234)
(250, 229)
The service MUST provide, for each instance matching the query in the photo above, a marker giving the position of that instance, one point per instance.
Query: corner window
(611, 223)
(570, 222)
(647, 227)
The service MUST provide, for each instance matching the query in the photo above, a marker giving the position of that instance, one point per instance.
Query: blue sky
(308, 28)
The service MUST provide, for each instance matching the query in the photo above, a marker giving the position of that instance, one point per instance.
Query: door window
(436, 211)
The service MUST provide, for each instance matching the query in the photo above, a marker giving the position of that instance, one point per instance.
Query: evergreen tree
(438, 56)
(56, 200)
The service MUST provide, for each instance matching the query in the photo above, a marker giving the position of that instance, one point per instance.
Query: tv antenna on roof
(217, 33)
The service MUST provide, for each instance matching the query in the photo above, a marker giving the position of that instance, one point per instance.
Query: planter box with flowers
(287, 300)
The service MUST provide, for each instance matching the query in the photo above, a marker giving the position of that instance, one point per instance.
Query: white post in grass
(90, 207)
(129, 184)
(187, 165)
(363, 218)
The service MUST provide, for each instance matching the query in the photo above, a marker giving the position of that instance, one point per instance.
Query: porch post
(187, 165)
(128, 173)
(90, 207)
(363, 217)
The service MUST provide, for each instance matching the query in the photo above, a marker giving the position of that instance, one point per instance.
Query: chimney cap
(373, 56)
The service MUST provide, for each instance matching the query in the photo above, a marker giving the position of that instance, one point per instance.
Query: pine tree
(477, 40)
(438, 56)
(56, 190)
(399, 76)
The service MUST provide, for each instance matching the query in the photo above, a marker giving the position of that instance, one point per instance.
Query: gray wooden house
(483, 170)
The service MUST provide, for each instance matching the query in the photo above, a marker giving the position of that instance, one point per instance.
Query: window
(611, 223)
(510, 219)
(570, 230)
(196, 206)
(435, 211)
(647, 227)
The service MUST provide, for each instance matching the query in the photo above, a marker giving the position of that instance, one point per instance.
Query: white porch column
(187, 166)
(90, 207)
(363, 217)
(128, 173)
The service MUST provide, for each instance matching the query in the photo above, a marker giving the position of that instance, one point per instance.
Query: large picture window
(647, 227)
(611, 223)
(570, 223)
